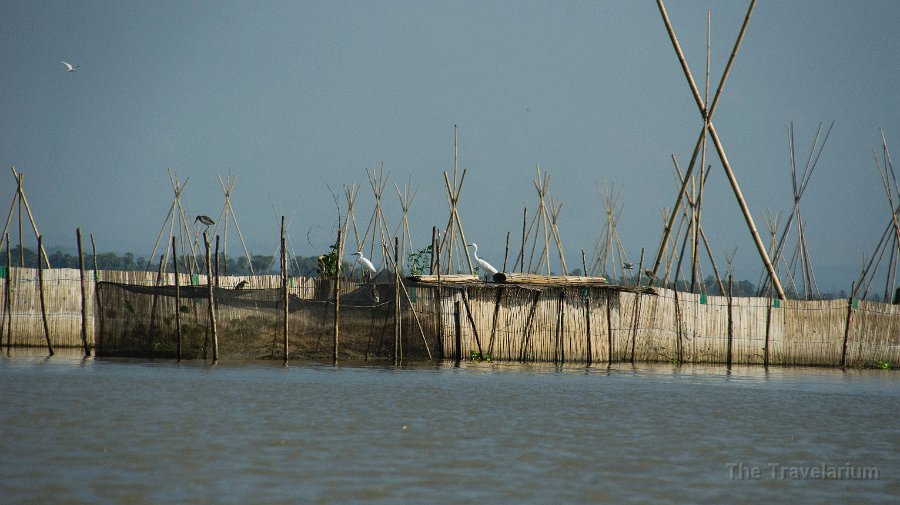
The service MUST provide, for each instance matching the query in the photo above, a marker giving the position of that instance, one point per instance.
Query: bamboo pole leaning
(87, 350)
(211, 299)
(177, 300)
(43, 301)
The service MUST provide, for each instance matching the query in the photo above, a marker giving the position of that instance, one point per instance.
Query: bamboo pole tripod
(609, 259)
(227, 214)
(19, 200)
(402, 231)
(709, 129)
(177, 217)
(543, 226)
(377, 231)
(890, 242)
(454, 238)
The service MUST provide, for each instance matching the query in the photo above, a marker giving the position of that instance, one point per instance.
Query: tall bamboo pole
(211, 299)
(43, 302)
(284, 295)
(8, 295)
(87, 350)
(337, 299)
(730, 320)
(177, 299)
(98, 343)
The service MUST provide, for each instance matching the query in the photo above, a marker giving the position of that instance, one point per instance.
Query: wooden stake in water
(43, 302)
(87, 350)
(337, 299)
(8, 296)
(457, 347)
(284, 294)
(177, 300)
(211, 299)
(151, 328)
(730, 321)
(98, 344)
(847, 326)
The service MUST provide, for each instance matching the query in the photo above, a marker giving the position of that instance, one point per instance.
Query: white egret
(366, 263)
(483, 265)
(69, 66)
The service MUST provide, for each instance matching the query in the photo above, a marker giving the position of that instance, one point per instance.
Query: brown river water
(76, 430)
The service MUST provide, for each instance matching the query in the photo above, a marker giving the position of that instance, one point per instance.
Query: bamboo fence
(523, 322)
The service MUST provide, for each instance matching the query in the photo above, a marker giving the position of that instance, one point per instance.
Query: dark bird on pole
(205, 220)
(241, 285)
(650, 275)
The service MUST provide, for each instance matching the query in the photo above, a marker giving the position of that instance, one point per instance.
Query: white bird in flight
(366, 263)
(484, 265)
(69, 66)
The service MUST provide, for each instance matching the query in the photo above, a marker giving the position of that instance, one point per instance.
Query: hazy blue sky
(292, 97)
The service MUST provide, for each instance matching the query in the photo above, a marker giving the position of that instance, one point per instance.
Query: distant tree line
(128, 262)
(326, 265)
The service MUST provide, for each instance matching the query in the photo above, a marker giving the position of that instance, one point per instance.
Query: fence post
(730, 323)
(41, 290)
(177, 300)
(284, 293)
(337, 298)
(457, 347)
(210, 290)
(98, 309)
(847, 327)
(8, 297)
(87, 350)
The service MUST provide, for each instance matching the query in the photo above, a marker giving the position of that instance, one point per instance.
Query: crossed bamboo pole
(709, 128)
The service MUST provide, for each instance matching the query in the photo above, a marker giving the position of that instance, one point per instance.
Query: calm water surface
(124, 431)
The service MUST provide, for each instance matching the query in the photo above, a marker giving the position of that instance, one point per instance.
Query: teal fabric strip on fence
(776, 303)
(2, 272)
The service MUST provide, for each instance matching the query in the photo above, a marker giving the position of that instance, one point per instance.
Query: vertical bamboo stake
(433, 248)
(398, 352)
(472, 321)
(637, 307)
(587, 333)
(98, 344)
(177, 299)
(438, 298)
(211, 298)
(730, 321)
(506, 254)
(847, 327)
(457, 347)
(524, 238)
(216, 263)
(609, 343)
(43, 302)
(768, 331)
(337, 300)
(284, 296)
(151, 329)
(494, 320)
(678, 342)
(87, 350)
(558, 355)
(8, 296)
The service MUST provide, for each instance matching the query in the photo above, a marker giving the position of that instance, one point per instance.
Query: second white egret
(483, 265)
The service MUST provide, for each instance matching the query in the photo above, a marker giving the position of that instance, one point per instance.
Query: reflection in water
(115, 430)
